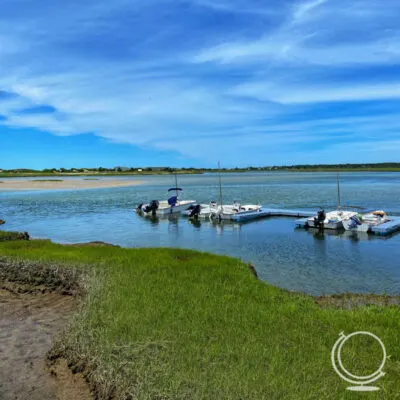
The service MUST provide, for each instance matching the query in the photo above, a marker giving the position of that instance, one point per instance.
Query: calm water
(293, 259)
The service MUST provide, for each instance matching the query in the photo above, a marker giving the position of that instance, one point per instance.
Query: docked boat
(330, 220)
(200, 210)
(218, 211)
(166, 207)
(364, 223)
(236, 211)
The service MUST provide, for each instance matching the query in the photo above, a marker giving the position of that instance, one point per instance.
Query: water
(293, 259)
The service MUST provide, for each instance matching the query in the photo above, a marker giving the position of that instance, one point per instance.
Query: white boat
(166, 207)
(236, 211)
(200, 210)
(364, 223)
(330, 220)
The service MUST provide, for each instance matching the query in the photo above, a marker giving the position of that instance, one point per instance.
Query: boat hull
(235, 213)
(165, 209)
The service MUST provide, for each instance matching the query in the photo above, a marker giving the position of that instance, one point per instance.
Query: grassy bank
(178, 324)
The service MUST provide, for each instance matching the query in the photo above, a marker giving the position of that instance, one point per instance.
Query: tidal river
(293, 259)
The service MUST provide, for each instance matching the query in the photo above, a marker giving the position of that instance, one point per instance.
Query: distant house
(140, 170)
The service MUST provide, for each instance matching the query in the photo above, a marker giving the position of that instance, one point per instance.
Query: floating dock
(385, 229)
(271, 212)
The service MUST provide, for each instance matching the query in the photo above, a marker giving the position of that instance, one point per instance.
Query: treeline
(341, 166)
(387, 166)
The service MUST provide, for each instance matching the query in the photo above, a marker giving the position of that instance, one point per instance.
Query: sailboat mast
(176, 184)
(338, 191)
(220, 184)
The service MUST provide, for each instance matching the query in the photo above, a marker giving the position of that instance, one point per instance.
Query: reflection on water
(311, 261)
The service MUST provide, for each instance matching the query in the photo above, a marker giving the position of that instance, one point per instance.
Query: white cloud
(317, 94)
(338, 34)
(303, 9)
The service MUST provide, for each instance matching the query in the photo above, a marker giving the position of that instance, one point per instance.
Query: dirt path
(28, 322)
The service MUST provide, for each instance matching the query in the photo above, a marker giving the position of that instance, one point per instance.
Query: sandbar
(48, 184)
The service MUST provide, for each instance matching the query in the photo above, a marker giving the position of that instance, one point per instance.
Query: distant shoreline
(196, 172)
(54, 184)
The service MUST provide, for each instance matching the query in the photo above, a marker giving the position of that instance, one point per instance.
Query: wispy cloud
(317, 94)
(302, 10)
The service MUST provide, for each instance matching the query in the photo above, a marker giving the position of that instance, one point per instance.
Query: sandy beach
(54, 184)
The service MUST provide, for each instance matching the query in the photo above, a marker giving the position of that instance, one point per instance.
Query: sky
(193, 82)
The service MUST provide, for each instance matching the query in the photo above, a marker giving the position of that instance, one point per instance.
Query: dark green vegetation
(178, 324)
(7, 236)
(379, 167)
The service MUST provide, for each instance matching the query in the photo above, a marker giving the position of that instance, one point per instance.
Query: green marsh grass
(179, 324)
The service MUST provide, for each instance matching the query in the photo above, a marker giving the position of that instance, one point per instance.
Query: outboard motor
(152, 207)
(355, 221)
(319, 219)
(195, 211)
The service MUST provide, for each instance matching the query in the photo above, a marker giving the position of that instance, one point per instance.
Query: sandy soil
(32, 184)
(28, 322)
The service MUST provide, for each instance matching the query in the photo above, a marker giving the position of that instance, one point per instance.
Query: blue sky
(191, 82)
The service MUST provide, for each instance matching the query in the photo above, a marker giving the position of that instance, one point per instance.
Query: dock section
(387, 228)
(272, 212)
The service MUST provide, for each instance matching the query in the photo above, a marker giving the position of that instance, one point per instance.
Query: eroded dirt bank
(28, 323)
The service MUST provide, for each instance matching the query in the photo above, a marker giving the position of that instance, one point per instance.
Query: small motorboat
(235, 211)
(166, 207)
(216, 212)
(330, 220)
(200, 210)
(364, 223)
